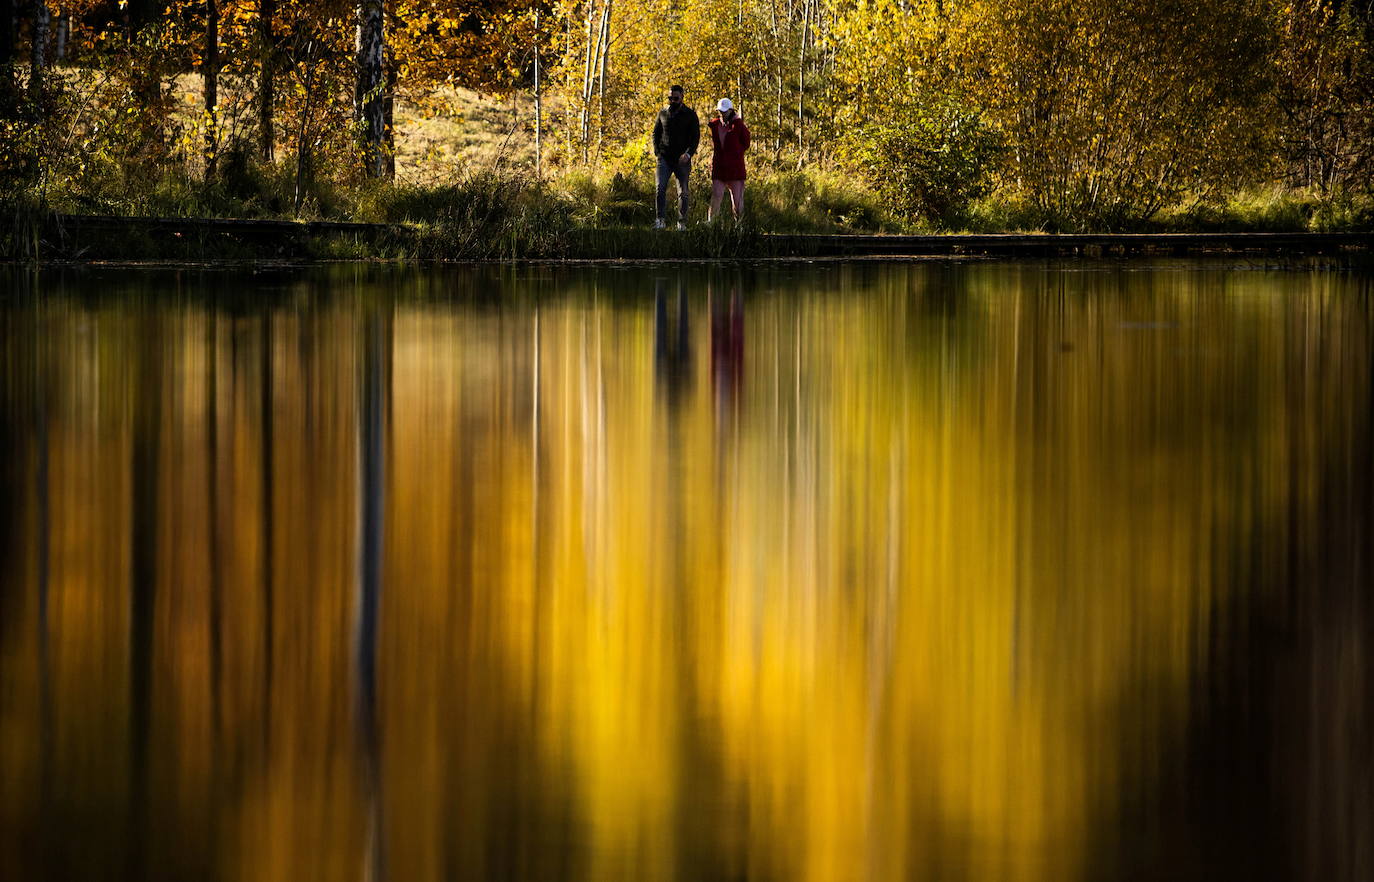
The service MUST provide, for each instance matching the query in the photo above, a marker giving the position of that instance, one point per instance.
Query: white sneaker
(681, 226)
(658, 224)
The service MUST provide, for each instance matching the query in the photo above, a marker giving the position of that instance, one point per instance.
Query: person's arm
(742, 134)
(658, 135)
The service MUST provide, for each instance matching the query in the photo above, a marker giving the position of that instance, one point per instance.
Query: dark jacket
(730, 140)
(676, 133)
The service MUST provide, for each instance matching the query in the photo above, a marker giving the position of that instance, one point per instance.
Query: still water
(833, 571)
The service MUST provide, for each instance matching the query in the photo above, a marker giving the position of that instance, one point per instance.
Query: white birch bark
(538, 107)
(587, 82)
(605, 47)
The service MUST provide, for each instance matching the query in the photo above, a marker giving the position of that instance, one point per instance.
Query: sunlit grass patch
(1273, 209)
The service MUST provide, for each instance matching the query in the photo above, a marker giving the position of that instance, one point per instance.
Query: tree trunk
(389, 115)
(777, 142)
(568, 107)
(587, 83)
(776, 47)
(7, 32)
(7, 52)
(64, 28)
(42, 20)
(367, 98)
(538, 106)
(304, 170)
(739, 77)
(209, 71)
(267, 11)
(801, 85)
(605, 45)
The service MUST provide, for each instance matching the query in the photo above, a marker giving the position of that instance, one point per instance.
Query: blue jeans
(680, 171)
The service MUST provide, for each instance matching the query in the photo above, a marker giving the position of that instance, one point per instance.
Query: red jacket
(729, 141)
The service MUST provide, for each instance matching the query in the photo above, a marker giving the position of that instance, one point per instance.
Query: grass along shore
(503, 216)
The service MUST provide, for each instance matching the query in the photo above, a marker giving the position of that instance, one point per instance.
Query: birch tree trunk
(587, 83)
(38, 63)
(267, 11)
(739, 77)
(538, 106)
(605, 42)
(209, 72)
(801, 85)
(776, 48)
(368, 100)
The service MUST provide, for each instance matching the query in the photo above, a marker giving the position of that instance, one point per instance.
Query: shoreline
(108, 239)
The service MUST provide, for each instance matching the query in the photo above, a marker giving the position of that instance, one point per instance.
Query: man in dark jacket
(676, 134)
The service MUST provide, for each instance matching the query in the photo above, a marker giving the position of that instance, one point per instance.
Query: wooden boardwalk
(1077, 244)
(248, 229)
(74, 230)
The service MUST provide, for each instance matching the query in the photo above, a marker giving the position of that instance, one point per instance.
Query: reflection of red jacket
(730, 140)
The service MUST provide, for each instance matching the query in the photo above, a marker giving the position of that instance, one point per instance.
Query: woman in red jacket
(729, 138)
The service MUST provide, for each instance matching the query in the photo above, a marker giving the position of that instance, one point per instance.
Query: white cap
(724, 104)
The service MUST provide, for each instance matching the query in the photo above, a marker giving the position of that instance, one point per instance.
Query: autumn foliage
(1082, 113)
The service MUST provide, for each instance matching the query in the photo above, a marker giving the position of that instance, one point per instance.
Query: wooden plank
(790, 244)
(1062, 243)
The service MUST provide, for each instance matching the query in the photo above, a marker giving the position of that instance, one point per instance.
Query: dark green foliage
(928, 159)
(29, 125)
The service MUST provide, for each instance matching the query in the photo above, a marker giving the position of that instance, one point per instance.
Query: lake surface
(830, 571)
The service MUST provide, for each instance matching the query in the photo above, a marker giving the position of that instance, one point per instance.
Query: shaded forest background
(866, 114)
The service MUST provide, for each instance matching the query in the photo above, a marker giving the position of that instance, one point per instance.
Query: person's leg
(683, 172)
(665, 171)
(737, 198)
(717, 191)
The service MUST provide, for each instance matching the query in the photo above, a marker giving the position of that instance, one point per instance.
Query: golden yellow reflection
(831, 573)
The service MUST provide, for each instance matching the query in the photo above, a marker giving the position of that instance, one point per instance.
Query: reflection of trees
(949, 595)
(145, 483)
(164, 713)
(1273, 779)
(372, 410)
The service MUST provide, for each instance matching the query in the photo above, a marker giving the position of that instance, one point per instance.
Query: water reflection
(984, 572)
(672, 342)
(727, 348)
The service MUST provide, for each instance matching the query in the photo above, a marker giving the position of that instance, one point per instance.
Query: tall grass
(1272, 209)
(500, 214)
(490, 216)
(23, 220)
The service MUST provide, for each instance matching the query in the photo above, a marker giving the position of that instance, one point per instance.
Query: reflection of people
(677, 131)
(672, 344)
(729, 140)
(727, 347)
